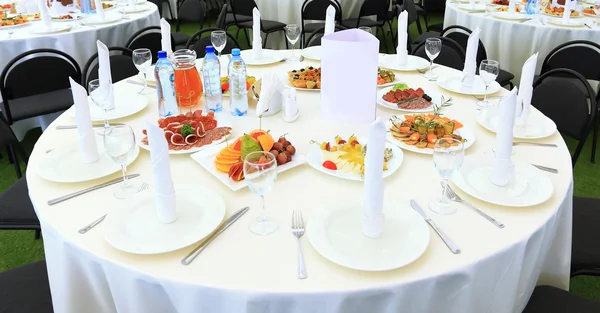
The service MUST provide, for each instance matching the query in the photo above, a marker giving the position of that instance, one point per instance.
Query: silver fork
(454, 197)
(425, 70)
(100, 219)
(298, 231)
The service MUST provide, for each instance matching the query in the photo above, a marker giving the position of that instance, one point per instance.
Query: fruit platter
(191, 132)
(589, 11)
(225, 161)
(558, 12)
(344, 157)
(419, 132)
(401, 97)
(307, 78)
(16, 21)
(250, 80)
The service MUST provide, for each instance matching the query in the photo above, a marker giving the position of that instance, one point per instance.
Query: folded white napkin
(567, 12)
(104, 73)
(471, 58)
(256, 40)
(402, 37)
(329, 20)
(338, 50)
(502, 167)
(526, 90)
(372, 224)
(511, 6)
(87, 138)
(131, 3)
(27, 7)
(472, 3)
(99, 9)
(45, 14)
(161, 170)
(270, 95)
(165, 32)
(290, 105)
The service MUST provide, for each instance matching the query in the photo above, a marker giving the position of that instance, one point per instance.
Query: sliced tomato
(225, 87)
(330, 165)
(144, 132)
(247, 86)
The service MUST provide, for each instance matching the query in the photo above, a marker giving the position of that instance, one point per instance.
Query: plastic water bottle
(211, 76)
(164, 75)
(237, 84)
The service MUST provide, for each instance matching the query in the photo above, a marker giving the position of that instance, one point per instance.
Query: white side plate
(413, 63)
(538, 126)
(454, 84)
(126, 104)
(268, 57)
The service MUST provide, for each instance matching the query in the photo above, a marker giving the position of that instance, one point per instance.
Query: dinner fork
(298, 231)
(425, 70)
(454, 197)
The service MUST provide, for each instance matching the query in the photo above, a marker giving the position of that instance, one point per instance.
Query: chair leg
(595, 139)
(426, 23)
(385, 45)
(265, 42)
(170, 10)
(12, 153)
(419, 29)
(10, 157)
(38, 234)
(247, 37)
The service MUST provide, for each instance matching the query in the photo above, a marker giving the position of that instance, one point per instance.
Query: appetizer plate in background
(126, 104)
(538, 125)
(313, 53)
(569, 23)
(511, 16)
(413, 63)
(454, 84)
(436, 99)
(55, 29)
(464, 132)
(108, 18)
(268, 57)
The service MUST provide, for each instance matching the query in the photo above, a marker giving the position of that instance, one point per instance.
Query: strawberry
(330, 165)
(225, 87)
(247, 86)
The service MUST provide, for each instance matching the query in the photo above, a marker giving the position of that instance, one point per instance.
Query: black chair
(150, 38)
(547, 299)
(314, 39)
(159, 4)
(431, 6)
(564, 103)
(199, 43)
(26, 289)
(36, 82)
(585, 253)
(191, 11)
(378, 8)
(244, 8)
(583, 57)
(16, 210)
(121, 66)
(316, 10)
(452, 54)
(221, 18)
(229, 19)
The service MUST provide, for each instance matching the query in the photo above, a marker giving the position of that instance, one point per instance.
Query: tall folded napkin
(329, 20)
(131, 3)
(45, 14)
(99, 9)
(567, 12)
(290, 105)
(270, 95)
(161, 170)
(343, 99)
(256, 40)
(471, 58)
(511, 6)
(87, 138)
(472, 3)
(402, 37)
(372, 223)
(502, 167)
(104, 73)
(526, 90)
(165, 32)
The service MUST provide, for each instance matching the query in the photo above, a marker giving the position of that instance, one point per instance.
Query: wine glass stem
(106, 125)
(485, 99)
(444, 188)
(145, 82)
(125, 179)
(262, 217)
(430, 66)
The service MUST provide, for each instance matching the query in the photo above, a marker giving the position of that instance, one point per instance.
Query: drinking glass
(119, 143)
(142, 59)
(100, 98)
(218, 38)
(433, 46)
(260, 171)
(448, 155)
(292, 32)
(366, 29)
(488, 71)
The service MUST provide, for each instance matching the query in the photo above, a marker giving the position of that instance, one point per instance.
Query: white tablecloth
(241, 272)
(511, 43)
(80, 43)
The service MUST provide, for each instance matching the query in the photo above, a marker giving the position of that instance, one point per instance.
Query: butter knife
(190, 257)
(63, 127)
(84, 191)
(451, 245)
(544, 168)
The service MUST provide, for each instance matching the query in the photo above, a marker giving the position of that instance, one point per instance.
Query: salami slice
(177, 140)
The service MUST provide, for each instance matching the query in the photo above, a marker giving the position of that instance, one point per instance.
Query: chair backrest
(432, 6)
(452, 54)
(242, 7)
(8, 137)
(192, 11)
(461, 34)
(314, 39)
(221, 18)
(121, 66)
(198, 43)
(316, 10)
(379, 8)
(410, 7)
(149, 38)
(581, 56)
(36, 72)
(562, 101)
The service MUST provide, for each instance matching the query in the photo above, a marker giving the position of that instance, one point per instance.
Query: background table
(241, 272)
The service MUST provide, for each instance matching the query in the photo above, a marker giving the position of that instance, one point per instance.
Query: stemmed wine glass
(119, 143)
(260, 171)
(488, 71)
(142, 59)
(433, 46)
(100, 98)
(218, 38)
(448, 155)
(292, 32)
(366, 29)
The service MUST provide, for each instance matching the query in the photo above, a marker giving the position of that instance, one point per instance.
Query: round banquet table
(242, 272)
(511, 42)
(80, 43)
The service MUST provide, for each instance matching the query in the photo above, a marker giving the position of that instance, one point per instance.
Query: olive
(296, 76)
(301, 70)
(310, 68)
(294, 71)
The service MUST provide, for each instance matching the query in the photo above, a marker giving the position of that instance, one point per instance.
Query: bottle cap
(162, 54)
(235, 52)
(210, 49)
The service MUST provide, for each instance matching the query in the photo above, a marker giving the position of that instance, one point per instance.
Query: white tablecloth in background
(511, 43)
(241, 272)
(79, 43)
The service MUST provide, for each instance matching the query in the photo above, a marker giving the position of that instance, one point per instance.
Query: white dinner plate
(560, 16)
(529, 186)
(136, 9)
(14, 26)
(464, 132)
(590, 15)
(337, 235)
(135, 228)
(316, 158)
(313, 53)
(55, 29)
(108, 18)
(476, 8)
(436, 98)
(66, 165)
(511, 16)
(413, 63)
(221, 122)
(454, 84)
(76, 17)
(569, 23)
(268, 57)
(206, 159)
(126, 104)
(538, 125)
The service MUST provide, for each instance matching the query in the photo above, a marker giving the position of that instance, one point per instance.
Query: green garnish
(187, 130)
(401, 86)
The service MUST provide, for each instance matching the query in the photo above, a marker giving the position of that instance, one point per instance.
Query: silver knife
(84, 191)
(190, 257)
(63, 127)
(131, 81)
(451, 245)
(544, 168)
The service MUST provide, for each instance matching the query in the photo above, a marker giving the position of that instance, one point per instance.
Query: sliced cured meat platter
(408, 99)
